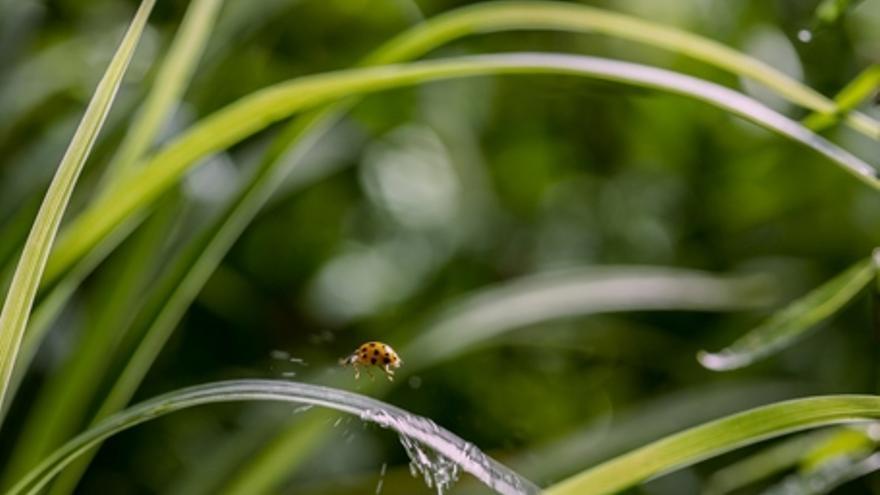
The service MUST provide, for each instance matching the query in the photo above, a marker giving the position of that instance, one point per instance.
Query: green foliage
(545, 215)
(711, 439)
(23, 289)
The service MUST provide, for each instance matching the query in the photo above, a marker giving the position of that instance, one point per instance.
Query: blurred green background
(421, 196)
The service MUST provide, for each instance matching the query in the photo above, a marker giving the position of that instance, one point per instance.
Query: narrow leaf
(490, 17)
(568, 293)
(716, 438)
(136, 191)
(469, 458)
(17, 307)
(72, 389)
(792, 323)
(171, 80)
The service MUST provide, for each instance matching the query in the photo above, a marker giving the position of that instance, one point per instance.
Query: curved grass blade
(503, 16)
(17, 307)
(643, 423)
(792, 323)
(488, 313)
(857, 91)
(716, 438)
(253, 113)
(466, 455)
(564, 294)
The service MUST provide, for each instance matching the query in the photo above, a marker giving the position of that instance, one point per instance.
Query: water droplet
(381, 478)
(441, 469)
(805, 36)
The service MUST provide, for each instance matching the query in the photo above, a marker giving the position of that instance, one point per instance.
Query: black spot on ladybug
(375, 353)
(386, 360)
(373, 360)
(372, 344)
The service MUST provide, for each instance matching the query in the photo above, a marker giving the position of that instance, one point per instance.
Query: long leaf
(17, 307)
(466, 455)
(716, 438)
(792, 323)
(72, 389)
(253, 113)
(502, 16)
(564, 294)
(643, 423)
(172, 79)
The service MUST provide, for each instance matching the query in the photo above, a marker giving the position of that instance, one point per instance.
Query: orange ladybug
(373, 354)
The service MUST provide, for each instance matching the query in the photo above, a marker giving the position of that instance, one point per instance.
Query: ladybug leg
(357, 371)
(389, 373)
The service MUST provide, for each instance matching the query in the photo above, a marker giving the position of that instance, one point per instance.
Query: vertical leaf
(20, 298)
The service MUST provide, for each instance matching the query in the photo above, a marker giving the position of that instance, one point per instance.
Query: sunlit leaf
(17, 307)
(68, 388)
(501, 16)
(137, 191)
(716, 438)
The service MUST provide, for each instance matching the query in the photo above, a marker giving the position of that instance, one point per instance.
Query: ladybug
(373, 354)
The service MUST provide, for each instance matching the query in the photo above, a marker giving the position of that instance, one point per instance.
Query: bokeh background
(420, 197)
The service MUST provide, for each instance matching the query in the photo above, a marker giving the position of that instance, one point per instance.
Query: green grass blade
(466, 455)
(171, 81)
(51, 305)
(644, 422)
(75, 384)
(792, 323)
(503, 16)
(73, 389)
(858, 90)
(17, 307)
(136, 191)
(716, 438)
